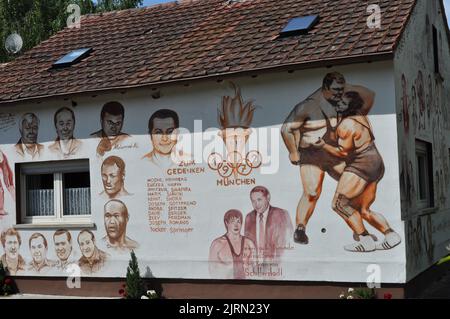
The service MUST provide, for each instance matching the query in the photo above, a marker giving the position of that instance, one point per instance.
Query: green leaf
(443, 260)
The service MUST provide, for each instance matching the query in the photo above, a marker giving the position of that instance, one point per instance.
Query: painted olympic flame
(235, 118)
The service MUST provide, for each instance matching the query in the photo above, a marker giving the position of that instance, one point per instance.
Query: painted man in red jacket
(270, 228)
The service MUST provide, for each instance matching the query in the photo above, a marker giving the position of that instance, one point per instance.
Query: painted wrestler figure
(302, 128)
(357, 186)
(232, 256)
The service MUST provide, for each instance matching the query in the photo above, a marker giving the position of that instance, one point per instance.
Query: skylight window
(300, 25)
(72, 57)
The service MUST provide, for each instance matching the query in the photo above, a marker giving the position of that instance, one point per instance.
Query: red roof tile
(202, 38)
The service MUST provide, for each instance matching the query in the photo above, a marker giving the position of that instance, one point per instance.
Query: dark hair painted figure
(113, 178)
(112, 118)
(65, 145)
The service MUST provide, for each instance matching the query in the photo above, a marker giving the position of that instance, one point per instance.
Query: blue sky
(150, 2)
(447, 8)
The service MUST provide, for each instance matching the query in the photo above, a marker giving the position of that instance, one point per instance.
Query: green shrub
(134, 288)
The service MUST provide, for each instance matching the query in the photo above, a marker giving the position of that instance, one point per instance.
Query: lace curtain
(77, 201)
(40, 202)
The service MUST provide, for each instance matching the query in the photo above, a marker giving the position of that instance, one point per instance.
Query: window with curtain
(55, 192)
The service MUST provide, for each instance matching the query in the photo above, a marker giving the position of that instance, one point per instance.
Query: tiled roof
(202, 38)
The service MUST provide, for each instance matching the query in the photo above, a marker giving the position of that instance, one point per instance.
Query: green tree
(134, 284)
(110, 5)
(37, 20)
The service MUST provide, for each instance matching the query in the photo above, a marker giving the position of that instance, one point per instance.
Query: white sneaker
(390, 241)
(366, 244)
(375, 238)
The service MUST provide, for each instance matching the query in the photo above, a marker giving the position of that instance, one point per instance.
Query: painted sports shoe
(356, 237)
(390, 241)
(300, 236)
(366, 244)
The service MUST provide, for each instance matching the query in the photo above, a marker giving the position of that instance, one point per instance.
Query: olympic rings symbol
(235, 163)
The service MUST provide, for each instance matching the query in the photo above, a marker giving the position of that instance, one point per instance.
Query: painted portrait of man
(112, 118)
(163, 128)
(65, 145)
(113, 178)
(92, 259)
(270, 228)
(38, 249)
(11, 259)
(116, 218)
(63, 247)
(28, 147)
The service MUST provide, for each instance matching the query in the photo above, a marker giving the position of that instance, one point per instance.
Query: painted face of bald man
(116, 219)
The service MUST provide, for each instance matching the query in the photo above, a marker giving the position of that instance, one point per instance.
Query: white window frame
(423, 151)
(57, 169)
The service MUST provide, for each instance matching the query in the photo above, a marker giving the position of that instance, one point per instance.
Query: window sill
(56, 226)
(427, 211)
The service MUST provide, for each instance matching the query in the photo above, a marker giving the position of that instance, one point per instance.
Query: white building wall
(185, 254)
(423, 108)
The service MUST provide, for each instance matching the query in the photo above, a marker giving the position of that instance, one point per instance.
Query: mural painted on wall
(113, 178)
(235, 119)
(116, 218)
(267, 235)
(231, 256)
(8, 181)
(65, 145)
(111, 136)
(163, 128)
(38, 250)
(11, 259)
(421, 100)
(426, 221)
(7, 121)
(428, 121)
(62, 240)
(405, 105)
(93, 259)
(270, 228)
(164, 201)
(413, 106)
(420, 240)
(28, 147)
(330, 133)
(169, 190)
(407, 180)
